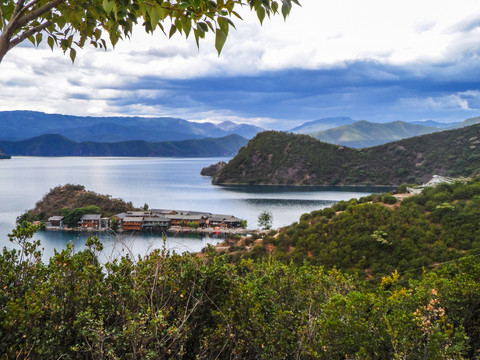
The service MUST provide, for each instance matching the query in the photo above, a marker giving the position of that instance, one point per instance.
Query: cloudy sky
(377, 60)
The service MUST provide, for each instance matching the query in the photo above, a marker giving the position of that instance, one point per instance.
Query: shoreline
(170, 230)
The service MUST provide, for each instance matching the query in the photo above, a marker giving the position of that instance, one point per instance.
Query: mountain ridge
(58, 145)
(22, 125)
(363, 133)
(288, 159)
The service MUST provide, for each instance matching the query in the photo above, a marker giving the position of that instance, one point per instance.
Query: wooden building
(56, 221)
(132, 223)
(224, 221)
(155, 223)
(90, 221)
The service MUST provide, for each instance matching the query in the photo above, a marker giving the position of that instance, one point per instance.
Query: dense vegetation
(280, 158)
(57, 145)
(373, 278)
(376, 235)
(73, 201)
(188, 307)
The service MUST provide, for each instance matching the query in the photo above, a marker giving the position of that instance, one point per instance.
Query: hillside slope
(57, 145)
(280, 158)
(378, 234)
(366, 134)
(70, 197)
(321, 124)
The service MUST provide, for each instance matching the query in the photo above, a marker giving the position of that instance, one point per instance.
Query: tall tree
(70, 24)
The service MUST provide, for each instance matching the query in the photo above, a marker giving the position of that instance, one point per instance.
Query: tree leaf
(50, 42)
(38, 38)
(73, 54)
(108, 6)
(203, 27)
(220, 38)
(223, 23)
(286, 7)
(274, 7)
(173, 30)
(261, 14)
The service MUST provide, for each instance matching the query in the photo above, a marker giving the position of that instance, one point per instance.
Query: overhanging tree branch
(92, 19)
(29, 33)
(38, 12)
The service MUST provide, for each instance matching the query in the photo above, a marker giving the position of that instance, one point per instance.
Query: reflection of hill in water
(263, 189)
(289, 202)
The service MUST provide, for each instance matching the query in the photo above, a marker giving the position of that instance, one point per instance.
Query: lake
(162, 183)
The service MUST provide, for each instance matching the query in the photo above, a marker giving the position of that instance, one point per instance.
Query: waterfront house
(131, 223)
(90, 221)
(119, 219)
(56, 221)
(224, 221)
(184, 220)
(155, 223)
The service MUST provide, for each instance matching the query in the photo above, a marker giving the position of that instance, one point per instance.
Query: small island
(4, 156)
(72, 208)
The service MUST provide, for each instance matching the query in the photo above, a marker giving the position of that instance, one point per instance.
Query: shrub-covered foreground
(375, 235)
(183, 306)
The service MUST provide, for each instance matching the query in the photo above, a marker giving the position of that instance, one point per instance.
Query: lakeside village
(154, 220)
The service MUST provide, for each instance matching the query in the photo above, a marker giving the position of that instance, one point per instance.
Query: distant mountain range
(21, 125)
(361, 134)
(57, 145)
(274, 157)
(321, 125)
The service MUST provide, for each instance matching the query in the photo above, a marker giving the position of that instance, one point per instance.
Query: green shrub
(389, 199)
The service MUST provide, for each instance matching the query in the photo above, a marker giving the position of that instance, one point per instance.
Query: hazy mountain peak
(322, 124)
(17, 125)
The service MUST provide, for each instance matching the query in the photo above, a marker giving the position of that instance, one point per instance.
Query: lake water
(163, 183)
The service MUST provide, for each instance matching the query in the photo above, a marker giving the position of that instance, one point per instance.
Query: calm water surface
(161, 183)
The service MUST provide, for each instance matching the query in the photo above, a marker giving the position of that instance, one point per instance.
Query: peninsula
(72, 207)
(279, 158)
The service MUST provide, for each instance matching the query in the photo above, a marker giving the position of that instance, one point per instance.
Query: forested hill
(62, 200)
(280, 158)
(378, 234)
(57, 145)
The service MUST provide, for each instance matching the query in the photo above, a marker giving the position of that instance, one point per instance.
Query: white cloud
(447, 102)
(320, 34)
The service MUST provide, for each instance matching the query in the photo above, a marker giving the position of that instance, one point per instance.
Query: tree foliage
(376, 235)
(265, 220)
(71, 24)
(165, 305)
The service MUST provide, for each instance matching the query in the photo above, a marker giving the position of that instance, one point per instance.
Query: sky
(376, 60)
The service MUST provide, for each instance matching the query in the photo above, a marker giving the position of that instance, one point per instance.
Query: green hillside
(81, 305)
(378, 234)
(365, 134)
(70, 197)
(280, 158)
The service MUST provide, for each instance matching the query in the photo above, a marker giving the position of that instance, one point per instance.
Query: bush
(389, 199)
